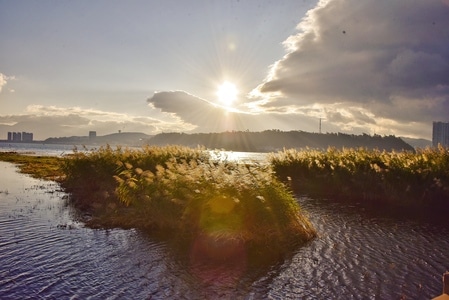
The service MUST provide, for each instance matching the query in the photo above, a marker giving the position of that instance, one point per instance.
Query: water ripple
(45, 253)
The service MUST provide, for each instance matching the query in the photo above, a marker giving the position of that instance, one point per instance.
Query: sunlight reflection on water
(62, 149)
(239, 157)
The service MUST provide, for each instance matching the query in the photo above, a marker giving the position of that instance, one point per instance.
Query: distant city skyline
(20, 136)
(70, 67)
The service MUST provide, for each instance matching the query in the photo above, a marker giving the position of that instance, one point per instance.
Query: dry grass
(418, 178)
(44, 167)
(184, 190)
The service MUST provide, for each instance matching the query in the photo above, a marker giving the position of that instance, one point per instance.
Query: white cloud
(200, 114)
(4, 80)
(208, 117)
(388, 60)
(53, 121)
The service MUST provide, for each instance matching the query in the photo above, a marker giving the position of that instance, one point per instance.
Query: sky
(359, 66)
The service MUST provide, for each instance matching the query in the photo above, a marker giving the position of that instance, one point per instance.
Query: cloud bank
(52, 121)
(203, 115)
(369, 64)
(206, 116)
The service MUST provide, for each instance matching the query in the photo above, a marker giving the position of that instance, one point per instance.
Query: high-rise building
(92, 134)
(16, 137)
(27, 137)
(20, 136)
(440, 134)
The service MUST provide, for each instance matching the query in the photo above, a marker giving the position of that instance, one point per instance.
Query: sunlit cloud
(209, 117)
(387, 60)
(53, 121)
(205, 116)
(4, 80)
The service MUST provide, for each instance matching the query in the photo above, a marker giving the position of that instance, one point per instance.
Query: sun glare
(227, 93)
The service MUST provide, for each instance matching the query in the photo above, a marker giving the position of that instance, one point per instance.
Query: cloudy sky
(362, 66)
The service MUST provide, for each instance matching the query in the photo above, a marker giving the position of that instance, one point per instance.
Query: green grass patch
(408, 179)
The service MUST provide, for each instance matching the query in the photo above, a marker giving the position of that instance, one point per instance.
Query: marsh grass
(43, 167)
(408, 179)
(185, 191)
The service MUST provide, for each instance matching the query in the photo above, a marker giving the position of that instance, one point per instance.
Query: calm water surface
(46, 254)
(62, 149)
(38, 148)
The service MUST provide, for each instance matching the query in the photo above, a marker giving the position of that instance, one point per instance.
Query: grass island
(220, 208)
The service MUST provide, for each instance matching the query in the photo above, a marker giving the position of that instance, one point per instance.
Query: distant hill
(417, 143)
(274, 140)
(123, 138)
(266, 141)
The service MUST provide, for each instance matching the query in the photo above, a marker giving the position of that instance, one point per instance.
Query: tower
(440, 134)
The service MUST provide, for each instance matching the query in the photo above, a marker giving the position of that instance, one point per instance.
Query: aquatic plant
(220, 198)
(405, 178)
(44, 167)
(89, 175)
(185, 191)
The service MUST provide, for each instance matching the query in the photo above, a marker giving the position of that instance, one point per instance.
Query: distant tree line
(274, 140)
(122, 138)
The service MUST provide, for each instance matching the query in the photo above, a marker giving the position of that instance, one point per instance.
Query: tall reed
(186, 191)
(418, 178)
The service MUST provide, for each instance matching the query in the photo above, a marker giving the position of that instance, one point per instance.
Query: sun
(227, 93)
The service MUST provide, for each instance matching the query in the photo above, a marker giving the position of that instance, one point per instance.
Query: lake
(46, 253)
(44, 149)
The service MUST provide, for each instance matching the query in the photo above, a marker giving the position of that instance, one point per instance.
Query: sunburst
(227, 93)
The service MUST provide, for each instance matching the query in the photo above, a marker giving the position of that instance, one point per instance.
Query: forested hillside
(273, 140)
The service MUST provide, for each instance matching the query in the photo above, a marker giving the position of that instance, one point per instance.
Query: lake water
(43, 148)
(62, 149)
(46, 254)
